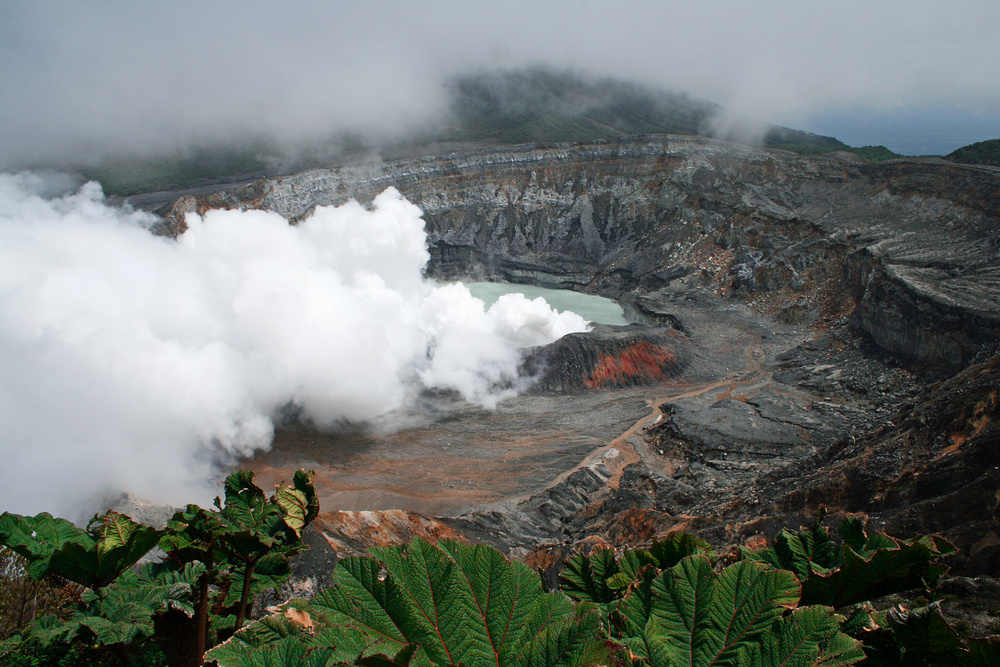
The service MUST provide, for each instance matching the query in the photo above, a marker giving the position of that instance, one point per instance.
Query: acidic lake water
(595, 309)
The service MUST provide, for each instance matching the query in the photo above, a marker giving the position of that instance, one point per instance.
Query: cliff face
(914, 245)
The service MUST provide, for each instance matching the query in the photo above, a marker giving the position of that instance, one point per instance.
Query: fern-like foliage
(602, 577)
(434, 605)
(92, 557)
(746, 615)
(122, 613)
(866, 567)
(925, 638)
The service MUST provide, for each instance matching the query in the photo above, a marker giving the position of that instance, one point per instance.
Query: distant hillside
(875, 153)
(131, 175)
(805, 143)
(542, 105)
(535, 105)
(981, 152)
(539, 105)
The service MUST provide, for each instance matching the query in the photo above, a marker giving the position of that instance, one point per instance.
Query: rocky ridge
(794, 316)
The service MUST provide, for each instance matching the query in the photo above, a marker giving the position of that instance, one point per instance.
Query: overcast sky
(85, 77)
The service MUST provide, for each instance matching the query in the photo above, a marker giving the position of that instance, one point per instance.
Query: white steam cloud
(134, 362)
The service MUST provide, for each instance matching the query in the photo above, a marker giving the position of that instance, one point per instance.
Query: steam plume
(134, 362)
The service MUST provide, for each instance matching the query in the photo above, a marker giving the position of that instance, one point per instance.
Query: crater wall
(910, 249)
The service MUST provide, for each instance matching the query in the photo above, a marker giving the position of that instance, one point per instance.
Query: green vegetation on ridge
(875, 153)
(540, 105)
(981, 152)
(127, 176)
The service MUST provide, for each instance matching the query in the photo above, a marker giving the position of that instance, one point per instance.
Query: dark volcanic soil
(464, 458)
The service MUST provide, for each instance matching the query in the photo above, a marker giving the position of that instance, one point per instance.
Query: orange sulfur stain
(639, 360)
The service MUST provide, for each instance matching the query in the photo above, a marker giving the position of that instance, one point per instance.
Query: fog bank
(81, 79)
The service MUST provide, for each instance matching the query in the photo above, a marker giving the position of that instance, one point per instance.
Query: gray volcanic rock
(141, 510)
(931, 465)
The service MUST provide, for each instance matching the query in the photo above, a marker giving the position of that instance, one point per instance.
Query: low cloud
(81, 80)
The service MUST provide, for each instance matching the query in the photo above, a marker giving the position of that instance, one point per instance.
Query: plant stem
(244, 596)
(201, 611)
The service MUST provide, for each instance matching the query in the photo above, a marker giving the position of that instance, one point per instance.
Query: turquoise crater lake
(596, 309)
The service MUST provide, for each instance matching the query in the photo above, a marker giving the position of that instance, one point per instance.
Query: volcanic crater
(807, 330)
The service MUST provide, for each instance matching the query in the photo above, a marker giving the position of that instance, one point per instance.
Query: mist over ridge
(85, 82)
(480, 108)
(487, 107)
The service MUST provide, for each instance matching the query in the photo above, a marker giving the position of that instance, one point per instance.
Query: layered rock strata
(914, 243)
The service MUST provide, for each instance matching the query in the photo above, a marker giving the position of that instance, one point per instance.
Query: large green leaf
(401, 659)
(286, 652)
(270, 572)
(118, 543)
(571, 641)
(117, 616)
(926, 639)
(867, 567)
(506, 606)
(602, 577)
(587, 577)
(807, 551)
(298, 502)
(852, 532)
(459, 603)
(809, 637)
(122, 612)
(925, 636)
(247, 540)
(37, 537)
(692, 616)
(672, 549)
(49, 629)
(192, 535)
(804, 552)
(10, 644)
(882, 566)
(176, 586)
(354, 614)
(253, 526)
(92, 558)
(662, 554)
(982, 652)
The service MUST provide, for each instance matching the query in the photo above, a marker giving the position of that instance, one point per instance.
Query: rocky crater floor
(809, 330)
